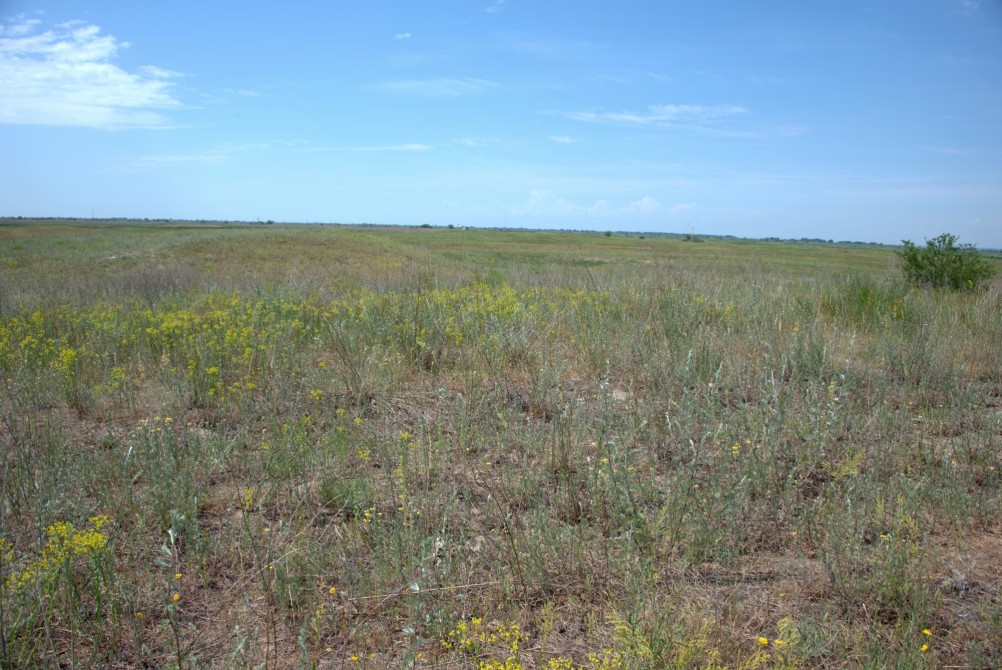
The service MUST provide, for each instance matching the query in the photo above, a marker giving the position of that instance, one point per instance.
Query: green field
(271, 446)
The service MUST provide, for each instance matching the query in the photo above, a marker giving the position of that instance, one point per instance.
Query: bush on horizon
(942, 263)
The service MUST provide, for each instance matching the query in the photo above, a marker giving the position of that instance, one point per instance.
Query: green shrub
(943, 263)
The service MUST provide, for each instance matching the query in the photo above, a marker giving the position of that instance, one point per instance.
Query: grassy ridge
(280, 446)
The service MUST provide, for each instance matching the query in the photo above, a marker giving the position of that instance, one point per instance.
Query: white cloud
(219, 154)
(495, 7)
(789, 130)
(477, 142)
(442, 87)
(551, 49)
(64, 77)
(955, 151)
(663, 115)
(173, 159)
(243, 92)
(563, 139)
(387, 147)
(645, 205)
(237, 151)
(545, 204)
(402, 36)
(159, 72)
(681, 208)
(21, 26)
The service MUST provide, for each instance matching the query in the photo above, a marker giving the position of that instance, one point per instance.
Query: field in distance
(284, 446)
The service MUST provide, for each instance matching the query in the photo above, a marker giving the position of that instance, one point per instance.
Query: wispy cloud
(65, 77)
(662, 115)
(495, 7)
(20, 26)
(545, 204)
(645, 205)
(153, 160)
(628, 75)
(402, 36)
(442, 87)
(551, 49)
(386, 147)
(236, 151)
(563, 139)
(477, 142)
(159, 72)
(243, 92)
(681, 208)
(219, 154)
(954, 151)
(787, 130)
(649, 205)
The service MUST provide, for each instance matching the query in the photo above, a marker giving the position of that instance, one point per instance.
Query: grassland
(277, 446)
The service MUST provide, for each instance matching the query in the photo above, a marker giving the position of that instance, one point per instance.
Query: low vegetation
(284, 447)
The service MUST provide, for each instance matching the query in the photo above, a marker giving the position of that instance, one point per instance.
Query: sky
(876, 120)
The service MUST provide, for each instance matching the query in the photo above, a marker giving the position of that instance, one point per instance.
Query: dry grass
(349, 441)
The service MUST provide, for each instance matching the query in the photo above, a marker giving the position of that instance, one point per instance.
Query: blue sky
(843, 120)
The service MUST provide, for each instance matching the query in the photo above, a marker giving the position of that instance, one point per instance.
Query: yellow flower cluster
(64, 543)
(6, 552)
(158, 425)
(247, 499)
(479, 640)
(227, 345)
(473, 636)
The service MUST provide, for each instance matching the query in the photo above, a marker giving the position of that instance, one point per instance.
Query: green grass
(339, 447)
